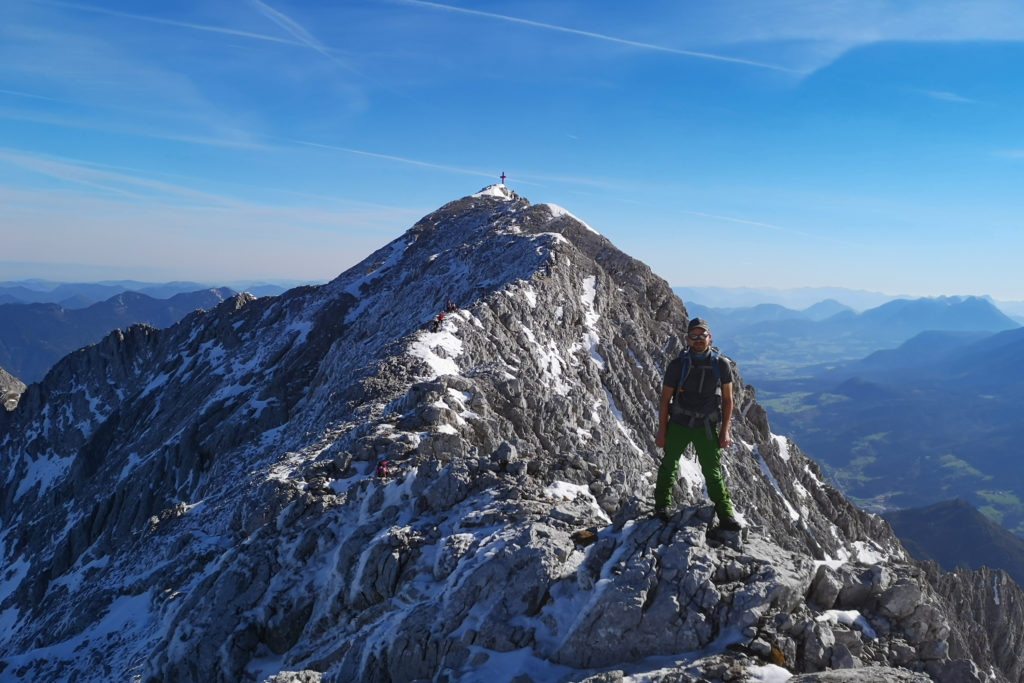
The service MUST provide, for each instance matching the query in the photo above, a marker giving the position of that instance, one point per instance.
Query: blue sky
(869, 145)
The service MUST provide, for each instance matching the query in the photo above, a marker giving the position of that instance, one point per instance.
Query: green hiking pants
(708, 454)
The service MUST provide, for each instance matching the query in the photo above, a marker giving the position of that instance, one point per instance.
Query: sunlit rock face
(202, 502)
(11, 389)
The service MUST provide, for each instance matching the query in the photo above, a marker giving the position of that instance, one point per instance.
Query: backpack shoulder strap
(716, 367)
(684, 356)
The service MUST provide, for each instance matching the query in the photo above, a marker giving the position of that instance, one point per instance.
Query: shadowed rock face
(199, 503)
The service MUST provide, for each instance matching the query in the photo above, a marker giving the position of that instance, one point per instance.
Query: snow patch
(590, 337)
(851, 618)
(531, 296)
(43, 471)
(424, 347)
(558, 212)
(499, 190)
(793, 514)
(563, 490)
(621, 422)
(768, 673)
(783, 444)
(868, 554)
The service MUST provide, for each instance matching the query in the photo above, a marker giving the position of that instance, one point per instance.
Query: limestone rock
(204, 502)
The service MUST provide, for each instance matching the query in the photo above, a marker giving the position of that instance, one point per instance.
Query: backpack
(684, 356)
(707, 419)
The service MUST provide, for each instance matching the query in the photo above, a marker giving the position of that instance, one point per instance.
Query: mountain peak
(499, 190)
(210, 499)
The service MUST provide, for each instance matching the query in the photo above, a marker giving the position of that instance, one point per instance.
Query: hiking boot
(664, 514)
(729, 524)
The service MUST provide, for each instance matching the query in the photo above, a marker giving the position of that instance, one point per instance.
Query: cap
(698, 323)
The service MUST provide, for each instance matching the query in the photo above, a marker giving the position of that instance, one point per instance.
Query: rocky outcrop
(206, 496)
(11, 389)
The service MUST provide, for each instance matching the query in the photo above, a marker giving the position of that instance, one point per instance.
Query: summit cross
(502, 177)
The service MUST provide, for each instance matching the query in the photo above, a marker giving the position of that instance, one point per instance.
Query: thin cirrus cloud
(769, 226)
(96, 177)
(297, 31)
(299, 36)
(525, 178)
(947, 97)
(238, 140)
(173, 22)
(119, 185)
(597, 36)
(389, 157)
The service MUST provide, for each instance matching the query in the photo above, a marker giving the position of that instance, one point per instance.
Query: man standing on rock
(689, 413)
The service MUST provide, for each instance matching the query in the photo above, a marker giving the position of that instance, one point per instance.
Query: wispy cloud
(239, 141)
(97, 177)
(403, 160)
(141, 185)
(297, 31)
(28, 95)
(947, 96)
(769, 226)
(735, 220)
(171, 22)
(597, 36)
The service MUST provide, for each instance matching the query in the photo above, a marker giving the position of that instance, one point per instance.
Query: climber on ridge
(689, 412)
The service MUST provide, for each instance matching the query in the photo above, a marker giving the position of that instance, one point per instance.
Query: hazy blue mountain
(81, 294)
(937, 418)
(954, 314)
(730, 320)
(796, 299)
(775, 342)
(921, 353)
(72, 295)
(35, 336)
(940, 357)
(1014, 309)
(824, 309)
(956, 536)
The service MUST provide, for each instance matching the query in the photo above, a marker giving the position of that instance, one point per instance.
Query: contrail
(600, 36)
(170, 22)
(293, 27)
(414, 162)
(758, 224)
(736, 220)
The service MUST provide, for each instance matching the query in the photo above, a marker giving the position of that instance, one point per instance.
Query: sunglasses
(698, 337)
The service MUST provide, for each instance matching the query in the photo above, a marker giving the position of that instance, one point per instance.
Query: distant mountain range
(35, 336)
(798, 299)
(802, 298)
(905, 404)
(957, 536)
(73, 295)
(936, 418)
(774, 342)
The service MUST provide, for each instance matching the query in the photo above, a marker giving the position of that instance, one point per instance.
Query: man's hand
(724, 440)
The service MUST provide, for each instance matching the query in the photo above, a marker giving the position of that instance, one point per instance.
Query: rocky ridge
(204, 498)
